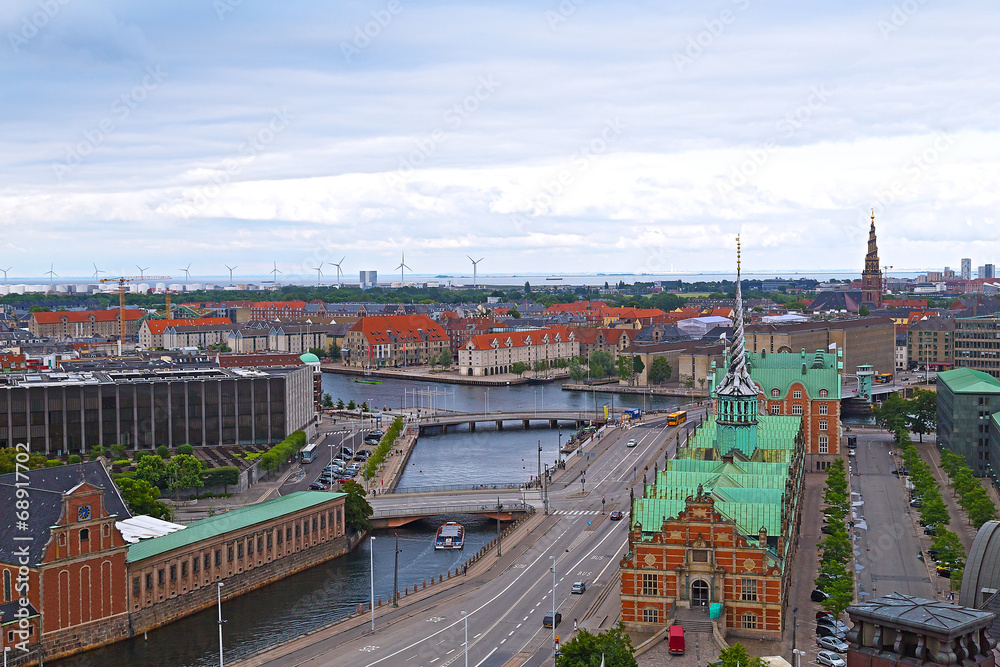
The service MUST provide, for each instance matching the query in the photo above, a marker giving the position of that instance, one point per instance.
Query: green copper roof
(780, 370)
(749, 517)
(214, 526)
(773, 432)
(309, 358)
(969, 381)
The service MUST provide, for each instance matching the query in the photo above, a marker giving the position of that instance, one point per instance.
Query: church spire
(871, 277)
(737, 381)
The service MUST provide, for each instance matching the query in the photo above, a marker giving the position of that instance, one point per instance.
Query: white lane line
(476, 636)
(503, 641)
(610, 561)
(487, 656)
(450, 652)
(525, 618)
(520, 624)
(510, 633)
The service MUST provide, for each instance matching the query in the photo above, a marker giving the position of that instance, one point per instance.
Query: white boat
(450, 535)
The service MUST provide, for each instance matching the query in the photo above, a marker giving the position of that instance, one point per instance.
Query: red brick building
(460, 331)
(12, 363)
(270, 311)
(85, 323)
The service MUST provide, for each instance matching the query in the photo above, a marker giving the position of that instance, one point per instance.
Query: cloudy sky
(573, 136)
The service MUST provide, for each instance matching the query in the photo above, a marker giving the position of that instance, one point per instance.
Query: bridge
(549, 418)
(400, 516)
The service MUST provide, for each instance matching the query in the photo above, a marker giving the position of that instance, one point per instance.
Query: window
(250, 546)
(650, 615)
(824, 409)
(305, 527)
(269, 540)
(135, 587)
(159, 577)
(195, 564)
(699, 555)
(314, 524)
(749, 621)
(281, 536)
(775, 409)
(218, 557)
(229, 554)
(322, 521)
(797, 393)
(84, 534)
(149, 581)
(796, 409)
(260, 542)
(298, 530)
(6, 586)
(288, 533)
(775, 393)
(650, 584)
(239, 550)
(824, 444)
(748, 589)
(173, 572)
(208, 561)
(823, 424)
(823, 393)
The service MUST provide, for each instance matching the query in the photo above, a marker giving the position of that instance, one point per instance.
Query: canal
(328, 592)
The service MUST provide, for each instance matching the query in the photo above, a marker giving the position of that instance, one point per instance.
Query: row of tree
(972, 497)
(834, 578)
(917, 414)
(382, 451)
(273, 458)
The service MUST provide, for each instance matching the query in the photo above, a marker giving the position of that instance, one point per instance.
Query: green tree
(527, 288)
(225, 476)
(340, 404)
(351, 405)
(624, 368)
(864, 311)
(601, 363)
(445, 357)
(514, 312)
(948, 547)
(269, 461)
(736, 656)
(118, 450)
(892, 415)
(586, 649)
(333, 351)
(841, 592)
(518, 368)
(357, 511)
(185, 449)
(934, 511)
(539, 365)
(922, 415)
(153, 469)
(142, 497)
(184, 472)
(96, 451)
(327, 400)
(576, 371)
(659, 371)
(74, 458)
(981, 510)
(637, 364)
(162, 451)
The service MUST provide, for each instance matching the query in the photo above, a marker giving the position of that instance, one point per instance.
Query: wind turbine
(319, 274)
(474, 263)
(187, 273)
(402, 265)
(142, 271)
(97, 272)
(274, 273)
(4, 271)
(231, 269)
(51, 274)
(339, 273)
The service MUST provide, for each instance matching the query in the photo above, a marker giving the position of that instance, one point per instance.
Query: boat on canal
(367, 381)
(450, 535)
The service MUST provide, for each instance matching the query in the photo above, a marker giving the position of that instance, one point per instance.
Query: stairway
(694, 620)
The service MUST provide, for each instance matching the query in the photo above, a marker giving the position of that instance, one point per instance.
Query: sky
(552, 136)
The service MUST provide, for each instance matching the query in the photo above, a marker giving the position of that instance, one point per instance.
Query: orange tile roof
(157, 327)
(387, 329)
(76, 316)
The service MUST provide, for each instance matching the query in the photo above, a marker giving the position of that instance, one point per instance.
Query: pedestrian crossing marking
(576, 512)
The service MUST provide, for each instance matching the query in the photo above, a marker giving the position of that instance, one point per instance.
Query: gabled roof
(521, 338)
(78, 316)
(386, 329)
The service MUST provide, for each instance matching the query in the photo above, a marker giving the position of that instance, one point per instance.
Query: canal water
(295, 605)
(323, 594)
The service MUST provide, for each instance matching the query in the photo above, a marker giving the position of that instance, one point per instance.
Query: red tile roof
(157, 327)
(521, 338)
(399, 329)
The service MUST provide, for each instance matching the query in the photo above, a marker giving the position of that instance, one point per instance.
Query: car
(360, 458)
(817, 595)
(826, 530)
(347, 450)
(550, 621)
(943, 571)
(823, 614)
(932, 553)
(578, 588)
(832, 623)
(827, 631)
(616, 515)
(318, 486)
(832, 644)
(916, 502)
(341, 480)
(830, 659)
(930, 530)
(920, 555)
(631, 443)
(852, 452)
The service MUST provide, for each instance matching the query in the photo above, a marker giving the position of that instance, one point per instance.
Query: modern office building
(977, 343)
(989, 271)
(59, 413)
(930, 344)
(966, 268)
(966, 401)
(368, 279)
(868, 340)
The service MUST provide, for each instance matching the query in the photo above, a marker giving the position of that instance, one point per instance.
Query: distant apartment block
(394, 340)
(966, 268)
(930, 344)
(495, 353)
(85, 324)
(869, 340)
(151, 331)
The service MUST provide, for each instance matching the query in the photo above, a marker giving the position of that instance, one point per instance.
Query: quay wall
(680, 392)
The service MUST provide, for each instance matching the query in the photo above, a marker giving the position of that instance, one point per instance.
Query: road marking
(368, 649)
(503, 641)
(510, 633)
(487, 656)
(520, 624)
(476, 636)
(524, 619)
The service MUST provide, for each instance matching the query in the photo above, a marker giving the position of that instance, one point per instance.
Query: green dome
(309, 358)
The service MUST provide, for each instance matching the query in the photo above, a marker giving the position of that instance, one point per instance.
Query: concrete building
(60, 413)
(394, 340)
(869, 340)
(197, 335)
(299, 338)
(930, 344)
(85, 324)
(460, 331)
(368, 279)
(966, 401)
(977, 343)
(691, 362)
(966, 268)
(495, 353)
(151, 332)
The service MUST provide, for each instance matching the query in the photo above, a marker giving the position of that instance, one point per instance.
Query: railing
(461, 487)
(478, 508)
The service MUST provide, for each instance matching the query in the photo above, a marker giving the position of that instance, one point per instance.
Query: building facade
(496, 353)
(966, 401)
(930, 344)
(966, 268)
(977, 343)
(869, 340)
(196, 335)
(85, 324)
(394, 340)
(60, 413)
(871, 277)
(151, 333)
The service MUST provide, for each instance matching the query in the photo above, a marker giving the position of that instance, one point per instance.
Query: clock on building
(83, 513)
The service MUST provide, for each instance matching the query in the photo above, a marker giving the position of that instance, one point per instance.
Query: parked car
(943, 571)
(930, 530)
(579, 588)
(345, 478)
(823, 614)
(832, 644)
(832, 623)
(318, 486)
(932, 553)
(616, 516)
(631, 443)
(825, 529)
(830, 659)
(916, 502)
(920, 555)
(817, 595)
(827, 631)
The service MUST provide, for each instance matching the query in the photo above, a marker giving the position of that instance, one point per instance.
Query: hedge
(284, 450)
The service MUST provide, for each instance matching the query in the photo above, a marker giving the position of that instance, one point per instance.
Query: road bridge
(400, 516)
(542, 418)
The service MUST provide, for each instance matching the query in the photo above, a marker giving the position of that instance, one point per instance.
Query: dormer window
(775, 393)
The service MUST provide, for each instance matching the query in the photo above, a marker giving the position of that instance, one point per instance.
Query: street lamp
(466, 617)
(219, 589)
(499, 507)
(798, 657)
(371, 554)
(7, 648)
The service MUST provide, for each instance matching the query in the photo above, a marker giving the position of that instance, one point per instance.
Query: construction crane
(122, 282)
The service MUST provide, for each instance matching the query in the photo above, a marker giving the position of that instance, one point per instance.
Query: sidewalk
(959, 523)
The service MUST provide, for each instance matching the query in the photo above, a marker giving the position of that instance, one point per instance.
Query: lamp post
(499, 538)
(798, 657)
(7, 648)
(371, 554)
(553, 568)
(545, 490)
(219, 589)
(466, 617)
(395, 576)
(795, 625)
(486, 408)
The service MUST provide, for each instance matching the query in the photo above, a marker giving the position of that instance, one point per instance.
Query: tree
(923, 412)
(934, 512)
(340, 404)
(841, 592)
(518, 368)
(637, 365)
(539, 365)
(351, 405)
(863, 311)
(514, 312)
(226, 476)
(357, 511)
(981, 510)
(576, 371)
(333, 350)
(948, 547)
(162, 451)
(892, 415)
(184, 472)
(118, 450)
(527, 288)
(96, 451)
(74, 458)
(185, 449)
(327, 401)
(153, 469)
(601, 363)
(142, 497)
(318, 351)
(625, 367)
(587, 649)
(659, 371)
(737, 656)
(445, 357)
(269, 461)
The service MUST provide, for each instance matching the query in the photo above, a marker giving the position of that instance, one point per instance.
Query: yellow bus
(677, 418)
(883, 378)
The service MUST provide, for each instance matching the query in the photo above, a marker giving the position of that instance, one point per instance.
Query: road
(506, 605)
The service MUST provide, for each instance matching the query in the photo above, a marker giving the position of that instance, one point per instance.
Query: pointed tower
(871, 277)
(736, 395)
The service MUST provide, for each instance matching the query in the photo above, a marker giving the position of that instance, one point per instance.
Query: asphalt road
(505, 606)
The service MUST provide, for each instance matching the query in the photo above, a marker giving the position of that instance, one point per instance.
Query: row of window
(747, 587)
(797, 393)
(748, 621)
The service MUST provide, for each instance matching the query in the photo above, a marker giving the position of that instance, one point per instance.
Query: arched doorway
(699, 593)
